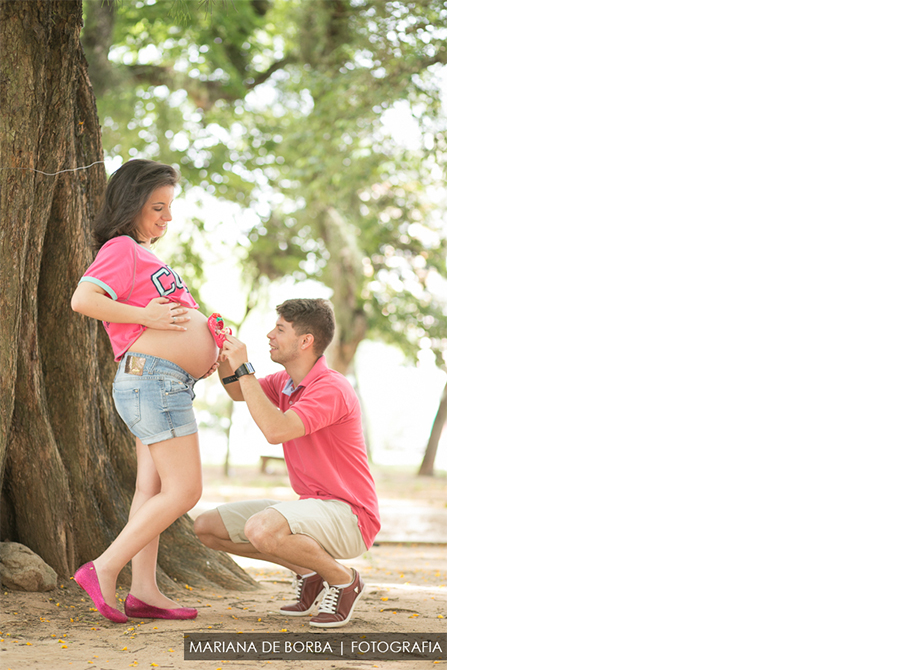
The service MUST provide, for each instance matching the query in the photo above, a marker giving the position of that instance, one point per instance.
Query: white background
(674, 290)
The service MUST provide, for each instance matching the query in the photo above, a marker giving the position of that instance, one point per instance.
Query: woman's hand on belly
(163, 314)
(191, 347)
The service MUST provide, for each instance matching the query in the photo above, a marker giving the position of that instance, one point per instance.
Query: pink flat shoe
(86, 577)
(141, 610)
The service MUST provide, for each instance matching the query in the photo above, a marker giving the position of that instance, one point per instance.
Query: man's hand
(234, 351)
(214, 367)
(277, 426)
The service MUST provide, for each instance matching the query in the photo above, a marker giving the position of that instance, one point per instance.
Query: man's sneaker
(337, 605)
(308, 588)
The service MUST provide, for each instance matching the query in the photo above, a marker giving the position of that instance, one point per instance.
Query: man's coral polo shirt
(330, 461)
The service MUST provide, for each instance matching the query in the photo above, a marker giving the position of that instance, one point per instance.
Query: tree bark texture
(67, 462)
(437, 427)
(346, 278)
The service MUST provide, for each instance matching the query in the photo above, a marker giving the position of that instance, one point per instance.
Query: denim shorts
(154, 397)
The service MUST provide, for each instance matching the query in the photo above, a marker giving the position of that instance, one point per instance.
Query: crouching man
(313, 412)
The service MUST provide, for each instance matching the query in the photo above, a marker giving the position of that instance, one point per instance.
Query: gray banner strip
(320, 646)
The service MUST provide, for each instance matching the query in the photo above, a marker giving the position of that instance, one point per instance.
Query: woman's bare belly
(193, 350)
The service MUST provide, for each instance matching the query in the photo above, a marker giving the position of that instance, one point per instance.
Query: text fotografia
(320, 646)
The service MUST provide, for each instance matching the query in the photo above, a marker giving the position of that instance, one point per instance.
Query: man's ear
(307, 341)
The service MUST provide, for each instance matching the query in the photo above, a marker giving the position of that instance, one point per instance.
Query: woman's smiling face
(156, 214)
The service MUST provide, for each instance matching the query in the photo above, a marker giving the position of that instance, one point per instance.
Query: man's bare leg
(271, 534)
(211, 531)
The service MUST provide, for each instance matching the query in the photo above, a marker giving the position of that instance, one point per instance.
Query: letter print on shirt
(168, 276)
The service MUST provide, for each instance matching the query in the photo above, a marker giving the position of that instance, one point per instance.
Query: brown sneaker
(337, 605)
(308, 588)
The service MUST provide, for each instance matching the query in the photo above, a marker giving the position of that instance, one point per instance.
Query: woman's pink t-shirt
(131, 274)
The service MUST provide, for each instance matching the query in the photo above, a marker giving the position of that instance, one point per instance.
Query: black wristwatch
(245, 369)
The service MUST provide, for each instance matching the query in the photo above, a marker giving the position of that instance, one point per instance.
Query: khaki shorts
(331, 523)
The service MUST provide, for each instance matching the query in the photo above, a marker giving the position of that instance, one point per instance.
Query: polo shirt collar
(318, 369)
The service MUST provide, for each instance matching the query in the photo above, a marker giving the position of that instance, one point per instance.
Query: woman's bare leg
(143, 565)
(177, 464)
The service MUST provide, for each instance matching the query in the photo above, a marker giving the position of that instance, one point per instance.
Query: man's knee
(265, 529)
(209, 527)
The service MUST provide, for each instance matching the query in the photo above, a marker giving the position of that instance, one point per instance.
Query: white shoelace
(330, 600)
(299, 581)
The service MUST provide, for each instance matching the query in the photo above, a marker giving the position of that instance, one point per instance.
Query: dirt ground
(406, 592)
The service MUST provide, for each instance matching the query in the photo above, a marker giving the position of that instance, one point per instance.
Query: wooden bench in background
(264, 462)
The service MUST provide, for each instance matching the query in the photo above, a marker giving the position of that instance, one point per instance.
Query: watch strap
(243, 369)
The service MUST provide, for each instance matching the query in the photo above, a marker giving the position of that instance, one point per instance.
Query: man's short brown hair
(313, 316)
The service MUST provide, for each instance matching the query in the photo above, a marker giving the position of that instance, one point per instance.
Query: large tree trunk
(99, 24)
(67, 462)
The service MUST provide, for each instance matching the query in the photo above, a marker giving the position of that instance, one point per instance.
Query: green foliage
(281, 106)
(174, 91)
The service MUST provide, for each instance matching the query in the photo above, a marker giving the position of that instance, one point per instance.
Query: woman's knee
(178, 463)
(183, 495)
(147, 485)
(147, 482)
(191, 495)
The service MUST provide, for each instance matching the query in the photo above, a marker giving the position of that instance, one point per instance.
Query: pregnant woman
(163, 346)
